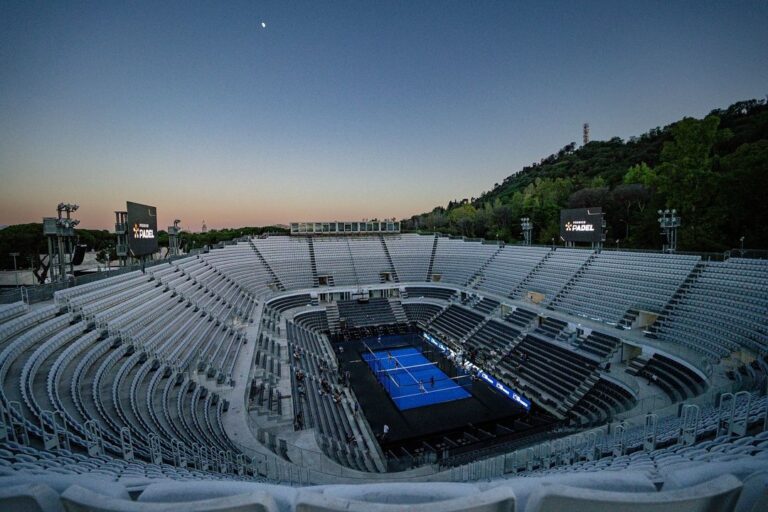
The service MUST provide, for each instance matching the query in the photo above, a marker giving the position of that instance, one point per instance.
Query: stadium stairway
(389, 259)
(432, 259)
(475, 279)
(552, 303)
(517, 292)
(398, 311)
(274, 279)
(332, 312)
(313, 262)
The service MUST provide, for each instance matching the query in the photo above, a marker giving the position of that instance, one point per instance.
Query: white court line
(427, 392)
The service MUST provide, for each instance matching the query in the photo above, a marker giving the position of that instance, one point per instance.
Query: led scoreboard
(582, 225)
(142, 229)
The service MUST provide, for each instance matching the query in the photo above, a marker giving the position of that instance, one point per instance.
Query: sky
(338, 110)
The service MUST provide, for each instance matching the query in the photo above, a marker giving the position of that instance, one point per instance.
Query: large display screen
(581, 225)
(142, 229)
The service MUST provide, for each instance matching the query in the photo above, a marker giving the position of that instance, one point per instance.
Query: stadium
(467, 372)
(383, 256)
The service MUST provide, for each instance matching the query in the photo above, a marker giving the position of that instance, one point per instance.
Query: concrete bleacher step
(584, 388)
(572, 281)
(636, 365)
(389, 259)
(475, 329)
(432, 260)
(528, 278)
(313, 262)
(398, 311)
(477, 277)
(629, 318)
(275, 280)
(678, 298)
(332, 313)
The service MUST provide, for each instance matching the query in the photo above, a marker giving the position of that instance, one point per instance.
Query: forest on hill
(713, 171)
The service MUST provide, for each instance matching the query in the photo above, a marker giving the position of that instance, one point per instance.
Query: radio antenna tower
(205, 228)
(586, 134)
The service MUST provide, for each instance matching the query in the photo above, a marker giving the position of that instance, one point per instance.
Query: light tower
(59, 231)
(527, 227)
(586, 134)
(669, 221)
(173, 238)
(14, 255)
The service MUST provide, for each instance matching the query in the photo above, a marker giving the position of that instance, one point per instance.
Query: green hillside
(714, 171)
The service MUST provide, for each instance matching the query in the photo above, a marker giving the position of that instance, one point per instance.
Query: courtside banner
(487, 377)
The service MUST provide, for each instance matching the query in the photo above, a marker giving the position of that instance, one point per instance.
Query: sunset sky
(338, 110)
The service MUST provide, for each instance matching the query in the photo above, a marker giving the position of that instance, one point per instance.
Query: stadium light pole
(16, 273)
(669, 222)
(527, 227)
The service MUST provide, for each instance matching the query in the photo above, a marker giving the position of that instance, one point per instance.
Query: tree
(685, 177)
(712, 170)
(463, 218)
(641, 174)
(742, 202)
(589, 197)
(631, 196)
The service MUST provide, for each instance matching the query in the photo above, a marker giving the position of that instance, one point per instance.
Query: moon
(263, 25)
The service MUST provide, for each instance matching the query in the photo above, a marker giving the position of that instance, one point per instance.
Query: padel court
(411, 380)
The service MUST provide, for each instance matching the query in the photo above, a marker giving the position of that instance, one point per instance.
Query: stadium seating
(411, 256)
(493, 336)
(288, 259)
(288, 302)
(116, 394)
(369, 259)
(554, 272)
(420, 312)
(724, 309)
(614, 284)
(456, 322)
(330, 410)
(508, 268)
(334, 259)
(431, 292)
(553, 372)
(374, 311)
(313, 320)
(458, 261)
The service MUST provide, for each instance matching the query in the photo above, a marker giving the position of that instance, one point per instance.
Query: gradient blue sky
(338, 109)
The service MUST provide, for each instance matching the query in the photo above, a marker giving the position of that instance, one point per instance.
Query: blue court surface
(411, 379)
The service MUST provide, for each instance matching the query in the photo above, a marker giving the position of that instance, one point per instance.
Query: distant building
(345, 227)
